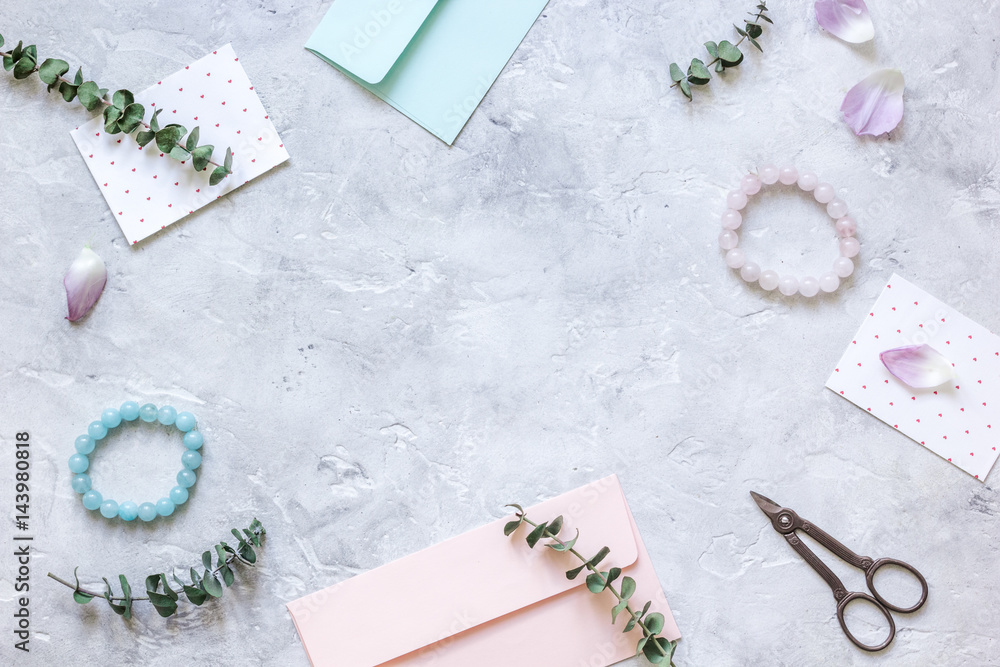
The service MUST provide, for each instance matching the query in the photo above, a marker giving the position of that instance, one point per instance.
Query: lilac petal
(875, 106)
(919, 366)
(847, 19)
(84, 283)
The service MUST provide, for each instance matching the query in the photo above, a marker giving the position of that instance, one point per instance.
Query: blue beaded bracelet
(111, 418)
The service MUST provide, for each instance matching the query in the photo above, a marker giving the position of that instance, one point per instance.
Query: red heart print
(175, 111)
(223, 104)
(254, 160)
(262, 139)
(918, 421)
(859, 363)
(180, 90)
(126, 192)
(897, 331)
(266, 117)
(105, 185)
(208, 74)
(230, 81)
(98, 134)
(836, 370)
(198, 190)
(864, 386)
(170, 205)
(890, 402)
(91, 155)
(876, 335)
(244, 110)
(217, 125)
(154, 175)
(202, 97)
(947, 342)
(142, 219)
(176, 182)
(966, 432)
(119, 141)
(147, 198)
(112, 162)
(196, 118)
(238, 131)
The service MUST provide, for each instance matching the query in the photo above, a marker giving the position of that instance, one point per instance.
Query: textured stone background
(386, 339)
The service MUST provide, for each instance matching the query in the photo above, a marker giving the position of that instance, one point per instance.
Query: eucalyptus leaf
(154, 124)
(565, 546)
(218, 174)
(575, 572)
(78, 79)
(8, 63)
(730, 54)
(24, 67)
(119, 609)
(195, 595)
(168, 137)
(131, 117)
(192, 140)
(601, 555)
(127, 594)
(628, 587)
(122, 98)
(17, 51)
(30, 50)
(766, 19)
(50, 70)
(206, 560)
(144, 137)
(211, 585)
(555, 526)
(628, 626)
(697, 73)
(685, 88)
(247, 553)
(617, 609)
(676, 74)
(180, 153)
(656, 650)
(89, 95)
(511, 526)
(536, 534)
(228, 164)
(713, 49)
(597, 582)
(1, 40)
(754, 30)
(754, 42)
(654, 623)
(78, 595)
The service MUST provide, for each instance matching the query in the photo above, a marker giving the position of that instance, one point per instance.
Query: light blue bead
(81, 483)
(164, 507)
(97, 430)
(193, 439)
(129, 410)
(178, 495)
(109, 509)
(80, 463)
(166, 415)
(84, 444)
(111, 418)
(185, 421)
(128, 511)
(147, 413)
(189, 459)
(186, 478)
(92, 499)
(147, 511)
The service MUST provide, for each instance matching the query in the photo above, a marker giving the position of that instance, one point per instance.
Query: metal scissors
(786, 522)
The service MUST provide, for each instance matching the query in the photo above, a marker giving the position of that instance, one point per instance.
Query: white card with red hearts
(147, 190)
(958, 421)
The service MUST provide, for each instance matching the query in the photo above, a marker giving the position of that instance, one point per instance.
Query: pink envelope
(488, 600)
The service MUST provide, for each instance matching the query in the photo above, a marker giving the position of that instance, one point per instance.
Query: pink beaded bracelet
(768, 279)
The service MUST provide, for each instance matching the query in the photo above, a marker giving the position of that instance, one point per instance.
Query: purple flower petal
(919, 366)
(84, 283)
(846, 19)
(875, 106)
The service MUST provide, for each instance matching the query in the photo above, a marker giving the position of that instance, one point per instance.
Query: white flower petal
(847, 19)
(919, 366)
(875, 106)
(84, 283)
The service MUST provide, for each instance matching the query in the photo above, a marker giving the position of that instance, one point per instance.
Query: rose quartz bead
(808, 181)
(829, 282)
(750, 184)
(769, 175)
(846, 226)
(837, 209)
(736, 199)
(843, 267)
(849, 247)
(788, 285)
(732, 219)
(809, 286)
(728, 239)
(788, 175)
(824, 193)
(750, 272)
(735, 258)
(768, 279)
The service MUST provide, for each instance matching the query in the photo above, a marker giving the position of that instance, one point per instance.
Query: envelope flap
(366, 37)
(463, 582)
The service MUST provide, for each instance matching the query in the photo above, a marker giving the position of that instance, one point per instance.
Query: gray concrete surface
(386, 339)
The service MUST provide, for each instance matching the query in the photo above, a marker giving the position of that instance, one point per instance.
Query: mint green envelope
(433, 60)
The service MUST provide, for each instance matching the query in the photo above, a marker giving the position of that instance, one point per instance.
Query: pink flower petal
(919, 366)
(875, 106)
(847, 19)
(84, 283)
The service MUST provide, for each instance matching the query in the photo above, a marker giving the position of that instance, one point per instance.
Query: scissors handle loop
(842, 605)
(870, 579)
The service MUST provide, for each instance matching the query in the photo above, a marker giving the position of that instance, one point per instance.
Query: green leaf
(247, 553)
(68, 92)
(754, 30)
(654, 623)
(556, 526)
(119, 609)
(8, 63)
(597, 582)
(111, 116)
(166, 588)
(1, 40)
(90, 95)
(675, 72)
(217, 175)
(195, 595)
(729, 54)
(719, 67)
(192, 143)
(236, 533)
(645, 608)
(754, 42)
(80, 597)
(228, 164)
(685, 88)
(144, 137)
(211, 585)
(565, 546)
(122, 98)
(511, 525)
(127, 593)
(575, 572)
(163, 604)
(180, 153)
(52, 69)
(24, 67)
(640, 644)
(227, 575)
(17, 51)
(743, 33)
(599, 557)
(656, 650)
(713, 49)
(220, 553)
(195, 579)
(697, 73)
(131, 117)
(628, 587)
(78, 79)
(617, 609)
(206, 560)
(613, 574)
(168, 137)
(153, 582)
(766, 19)
(30, 50)
(536, 534)
(154, 125)
(628, 626)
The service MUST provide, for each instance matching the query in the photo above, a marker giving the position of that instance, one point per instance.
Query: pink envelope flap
(465, 581)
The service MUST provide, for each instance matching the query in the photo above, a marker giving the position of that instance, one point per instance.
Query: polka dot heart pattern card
(958, 420)
(147, 190)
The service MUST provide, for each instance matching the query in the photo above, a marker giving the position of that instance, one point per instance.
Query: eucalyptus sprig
(724, 55)
(202, 587)
(656, 648)
(122, 114)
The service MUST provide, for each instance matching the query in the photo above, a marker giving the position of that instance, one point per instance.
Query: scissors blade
(766, 505)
